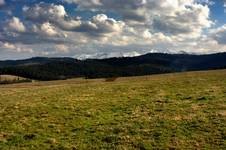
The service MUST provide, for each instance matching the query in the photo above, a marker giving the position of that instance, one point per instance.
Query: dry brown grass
(10, 77)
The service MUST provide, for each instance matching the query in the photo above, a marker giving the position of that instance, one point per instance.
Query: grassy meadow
(9, 79)
(171, 111)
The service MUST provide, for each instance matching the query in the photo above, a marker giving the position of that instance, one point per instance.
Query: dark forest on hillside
(41, 68)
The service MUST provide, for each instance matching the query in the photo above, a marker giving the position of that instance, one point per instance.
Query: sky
(110, 28)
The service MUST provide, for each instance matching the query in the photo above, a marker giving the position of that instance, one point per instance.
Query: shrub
(112, 79)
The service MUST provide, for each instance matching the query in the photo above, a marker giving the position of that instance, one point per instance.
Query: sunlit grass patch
(174, 111)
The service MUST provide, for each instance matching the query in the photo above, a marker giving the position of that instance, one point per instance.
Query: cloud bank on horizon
(87, 28)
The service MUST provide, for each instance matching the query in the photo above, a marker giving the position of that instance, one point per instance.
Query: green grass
(172, 111)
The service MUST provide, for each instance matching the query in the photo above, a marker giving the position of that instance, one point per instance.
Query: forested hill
(42, 68)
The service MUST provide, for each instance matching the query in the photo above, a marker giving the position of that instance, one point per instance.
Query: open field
(8, 79)
(171, 111)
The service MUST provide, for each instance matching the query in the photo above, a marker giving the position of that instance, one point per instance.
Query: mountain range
(43, 68)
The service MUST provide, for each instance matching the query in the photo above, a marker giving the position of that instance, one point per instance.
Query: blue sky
(217, 12)
(110, 28)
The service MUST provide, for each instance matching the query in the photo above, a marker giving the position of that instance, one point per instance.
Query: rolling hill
(170, 111)
(154, 63)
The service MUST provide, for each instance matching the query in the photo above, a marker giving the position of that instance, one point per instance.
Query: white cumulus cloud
(16, 25)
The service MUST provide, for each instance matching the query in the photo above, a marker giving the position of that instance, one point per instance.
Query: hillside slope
(171, 111)
(156, 63)
(10, 79)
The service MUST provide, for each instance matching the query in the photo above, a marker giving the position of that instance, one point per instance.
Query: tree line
(64, 68)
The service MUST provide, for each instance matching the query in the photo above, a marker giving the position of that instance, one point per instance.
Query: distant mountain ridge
(43, 68)
(107, 55)
(31, 61)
